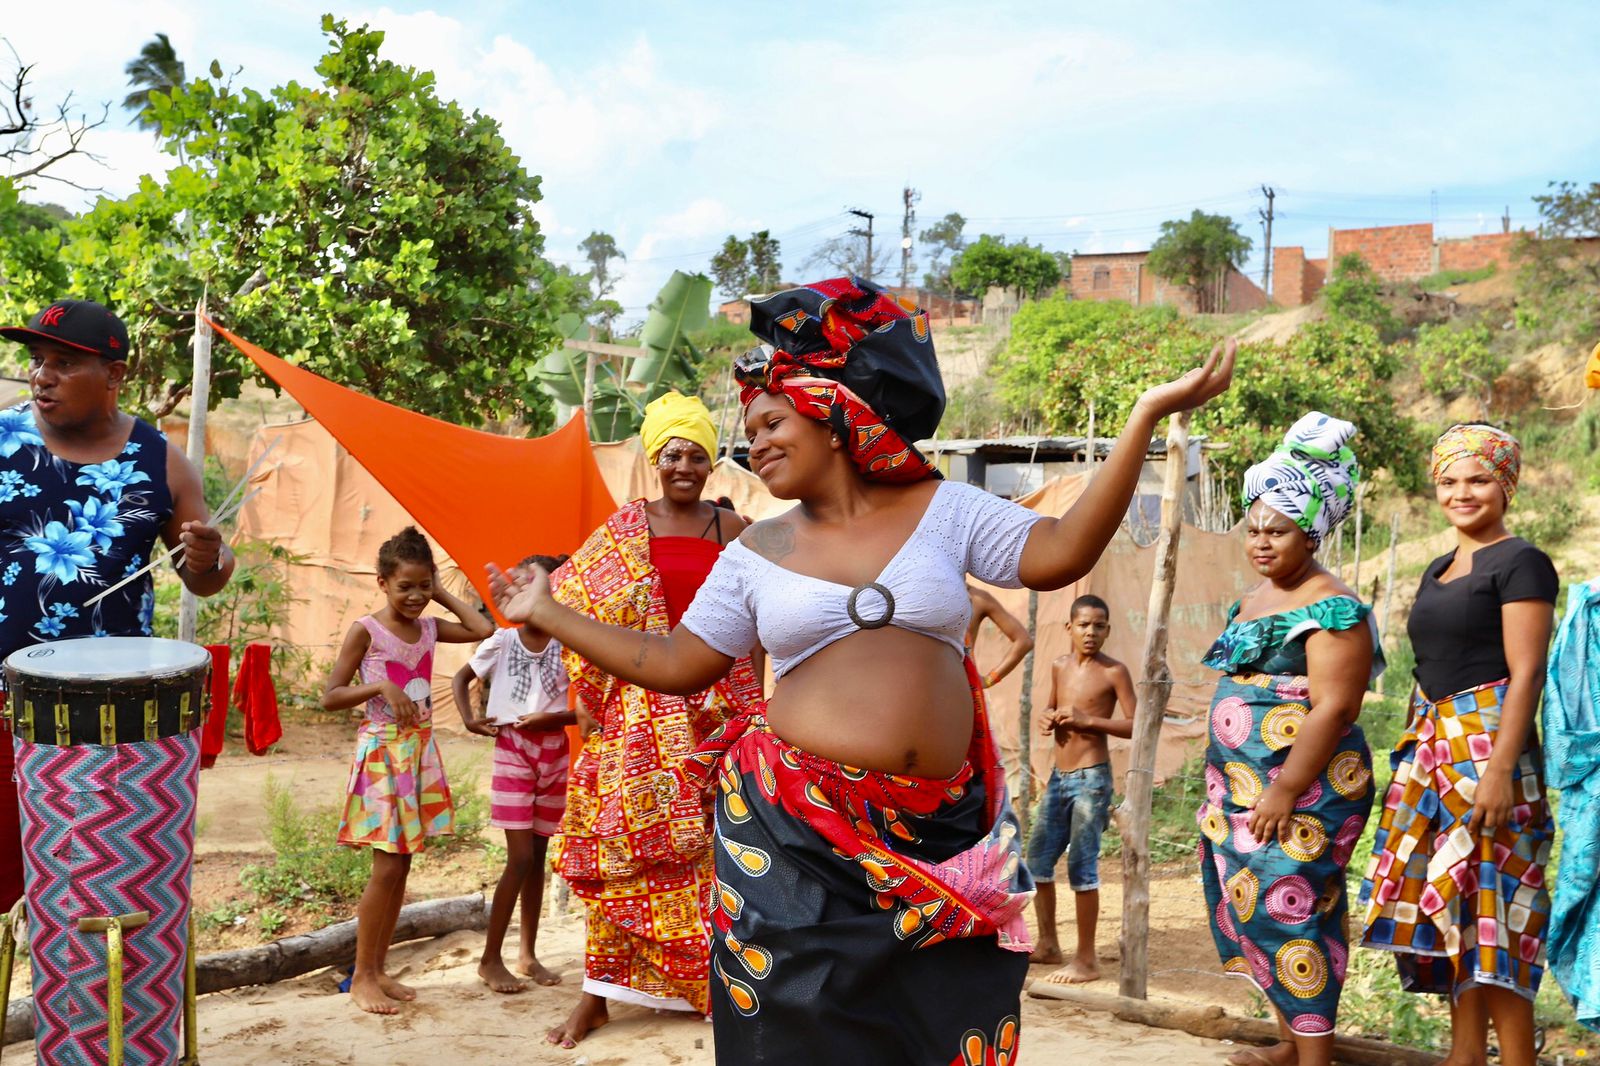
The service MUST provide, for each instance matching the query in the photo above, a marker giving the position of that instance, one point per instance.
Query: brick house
(1127, 276)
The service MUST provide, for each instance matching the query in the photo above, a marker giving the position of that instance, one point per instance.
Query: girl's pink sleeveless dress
(398, 795)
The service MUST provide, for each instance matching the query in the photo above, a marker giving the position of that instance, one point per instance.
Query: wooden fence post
(1155, 688)
(1025, 721)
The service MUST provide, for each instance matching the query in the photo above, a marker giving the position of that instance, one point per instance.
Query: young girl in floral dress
(398, 796)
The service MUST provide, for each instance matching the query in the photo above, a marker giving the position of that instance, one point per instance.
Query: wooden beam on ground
(1214, 1023)
(296, 955)
(1155, 688)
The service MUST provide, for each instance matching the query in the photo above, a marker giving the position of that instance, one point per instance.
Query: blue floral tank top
(68, 531)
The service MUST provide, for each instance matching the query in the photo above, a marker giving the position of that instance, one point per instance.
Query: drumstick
(223, 514)
(169, 553)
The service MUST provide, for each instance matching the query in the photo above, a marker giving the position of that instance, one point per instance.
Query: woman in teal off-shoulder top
(1288, 771)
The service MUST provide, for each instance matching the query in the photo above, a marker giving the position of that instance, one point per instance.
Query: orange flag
(481, 497)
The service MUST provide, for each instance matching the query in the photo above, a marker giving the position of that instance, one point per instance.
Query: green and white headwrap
(1312, 476)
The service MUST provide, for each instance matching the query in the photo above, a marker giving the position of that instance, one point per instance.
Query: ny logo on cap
(52, 317)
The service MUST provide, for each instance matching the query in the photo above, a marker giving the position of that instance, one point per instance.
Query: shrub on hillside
(1354, 294)
(1062, 355)
(1459, 358)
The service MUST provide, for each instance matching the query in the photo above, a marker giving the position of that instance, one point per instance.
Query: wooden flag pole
(199, 402)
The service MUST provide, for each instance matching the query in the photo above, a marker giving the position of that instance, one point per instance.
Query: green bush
(1459, 358)
(1354, 294)
(307, 864)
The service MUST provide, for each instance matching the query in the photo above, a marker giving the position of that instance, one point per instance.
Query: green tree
(359, 226)
(746, 266)
(1558, 283)
(1197, 253)
(990, 261)
(157, 69)
(600, 249)
(1062, 353)
(31, 237)
(1456, 359)
(1354, 293)
(944, 242)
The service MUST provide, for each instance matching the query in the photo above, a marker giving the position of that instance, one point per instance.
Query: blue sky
(1078, 126)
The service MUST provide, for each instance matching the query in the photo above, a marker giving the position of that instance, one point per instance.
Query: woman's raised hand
(518, 595)
(1203, 383)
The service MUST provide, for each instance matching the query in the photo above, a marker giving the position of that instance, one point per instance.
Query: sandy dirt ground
(456, 1019)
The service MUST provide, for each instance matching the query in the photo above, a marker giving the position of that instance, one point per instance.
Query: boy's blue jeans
(1070, 818)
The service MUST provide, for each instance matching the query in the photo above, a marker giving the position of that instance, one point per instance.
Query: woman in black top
(1456, 886)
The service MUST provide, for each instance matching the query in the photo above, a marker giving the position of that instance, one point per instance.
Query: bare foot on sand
(1046, 952)
(496, 976)
(537, 971)
(367, 994)
(394, 989)
(1076, 972)
(1282, 1053)
(589, 1015)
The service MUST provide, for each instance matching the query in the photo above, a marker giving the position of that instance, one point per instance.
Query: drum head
(108, 659)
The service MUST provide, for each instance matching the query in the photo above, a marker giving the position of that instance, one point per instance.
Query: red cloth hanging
(216, 726)
(257, 699)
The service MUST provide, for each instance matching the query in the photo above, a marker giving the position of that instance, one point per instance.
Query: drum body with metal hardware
(108, 758)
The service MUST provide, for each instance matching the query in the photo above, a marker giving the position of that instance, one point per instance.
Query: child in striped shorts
(525, 710)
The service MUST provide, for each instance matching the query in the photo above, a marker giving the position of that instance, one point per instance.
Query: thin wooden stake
(1394, 551)
(1155, 689)
(199, 402)
(1356, 583)
(1025, 721)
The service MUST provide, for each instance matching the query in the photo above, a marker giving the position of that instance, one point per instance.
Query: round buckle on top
(875, 623)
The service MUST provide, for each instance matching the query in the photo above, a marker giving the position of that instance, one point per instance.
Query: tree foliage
(1063, 353)
(944, 242)
(1197, 252)
(360, 227)
(746, 266)
(990, 261)
(1354, 293)
(1460, 358)
(157, 69)
(1558, 285)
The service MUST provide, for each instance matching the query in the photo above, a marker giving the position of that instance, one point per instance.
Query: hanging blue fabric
(1572, 766)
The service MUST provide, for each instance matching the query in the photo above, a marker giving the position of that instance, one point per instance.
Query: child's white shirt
(521, 682)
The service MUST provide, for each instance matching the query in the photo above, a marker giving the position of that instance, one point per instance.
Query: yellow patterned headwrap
(1496, 450)
(676, 415)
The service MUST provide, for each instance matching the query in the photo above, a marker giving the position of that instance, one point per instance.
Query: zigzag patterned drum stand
(107, 744)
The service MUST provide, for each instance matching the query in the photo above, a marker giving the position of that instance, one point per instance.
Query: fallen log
(296, 955)
(1214, 1023)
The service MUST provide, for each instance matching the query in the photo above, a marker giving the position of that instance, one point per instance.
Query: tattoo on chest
(771, 540)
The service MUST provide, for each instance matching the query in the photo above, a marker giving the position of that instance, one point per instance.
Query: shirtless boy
(1087, 686)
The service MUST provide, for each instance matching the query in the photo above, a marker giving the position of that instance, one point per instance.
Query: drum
(108, 759)
(106, 690)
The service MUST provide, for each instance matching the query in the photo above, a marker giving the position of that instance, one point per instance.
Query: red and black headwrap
(847, 353)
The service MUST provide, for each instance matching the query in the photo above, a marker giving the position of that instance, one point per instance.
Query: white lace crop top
(749, 599)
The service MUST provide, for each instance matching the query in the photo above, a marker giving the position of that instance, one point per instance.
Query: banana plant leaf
(682, 306)
(561, 375)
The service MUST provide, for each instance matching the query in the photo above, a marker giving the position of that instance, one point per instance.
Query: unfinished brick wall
(1395, 253)
(1296, 280)
(1475, 253)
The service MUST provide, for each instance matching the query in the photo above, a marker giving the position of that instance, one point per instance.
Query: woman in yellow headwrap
(634, 843)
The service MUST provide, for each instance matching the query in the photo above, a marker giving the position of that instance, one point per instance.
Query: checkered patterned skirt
(107, 830)
(1459, 912)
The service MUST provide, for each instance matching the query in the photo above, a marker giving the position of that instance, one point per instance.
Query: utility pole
(1266, 220)
(911, 198)
(866, 270)
(1505, 220)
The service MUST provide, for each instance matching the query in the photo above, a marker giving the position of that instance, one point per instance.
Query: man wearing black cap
(85, 490)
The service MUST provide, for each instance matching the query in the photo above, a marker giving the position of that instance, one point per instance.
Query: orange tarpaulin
(481, 497)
